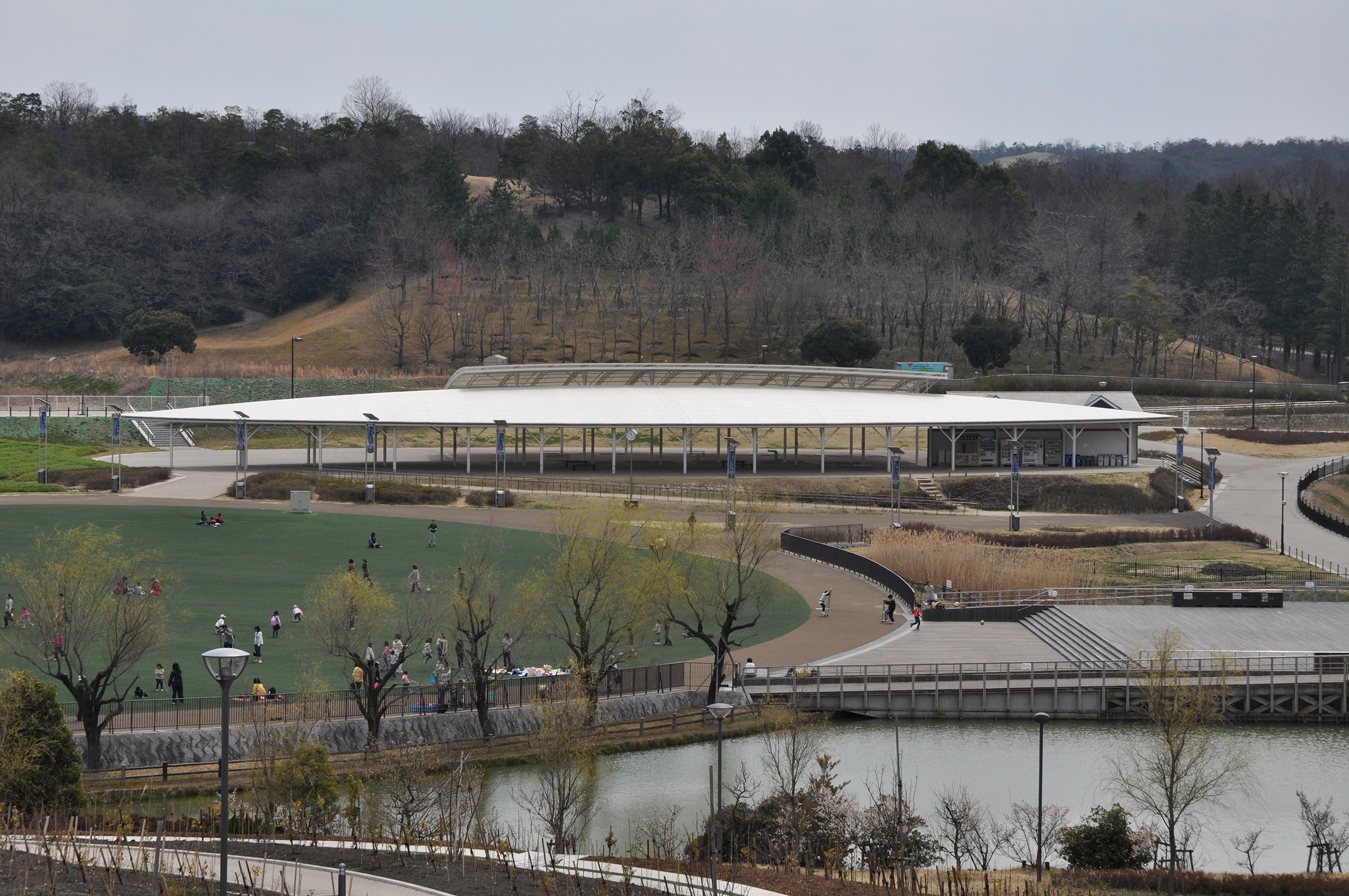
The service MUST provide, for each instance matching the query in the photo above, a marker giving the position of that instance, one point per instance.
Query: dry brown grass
(1250, 449)
(972, 566)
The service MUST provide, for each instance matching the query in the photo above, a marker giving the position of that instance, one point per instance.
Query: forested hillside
(618, 234)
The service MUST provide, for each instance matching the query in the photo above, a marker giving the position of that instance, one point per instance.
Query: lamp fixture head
(225, 663)
(1040, 717)
(719, 710)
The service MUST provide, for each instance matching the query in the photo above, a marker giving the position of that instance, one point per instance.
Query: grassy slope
(262, 560)
(19, 459)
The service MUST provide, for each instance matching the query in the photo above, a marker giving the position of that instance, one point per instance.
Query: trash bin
(116, 484)
(42, 476)
(370, 493)
(501, 498)
(1014, 524)
(240, 489)
(730, 520)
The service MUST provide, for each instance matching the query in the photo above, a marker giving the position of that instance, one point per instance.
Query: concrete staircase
(935, 497)
(1077, 643)
(158, 435)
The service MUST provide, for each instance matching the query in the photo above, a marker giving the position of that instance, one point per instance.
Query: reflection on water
(996, 760)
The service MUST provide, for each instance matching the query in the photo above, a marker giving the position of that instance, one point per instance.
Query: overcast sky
(1016, 70)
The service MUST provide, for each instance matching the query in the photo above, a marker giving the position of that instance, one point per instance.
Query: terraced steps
(1077, 643)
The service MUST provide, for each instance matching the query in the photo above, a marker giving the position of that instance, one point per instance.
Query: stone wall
(145, 749)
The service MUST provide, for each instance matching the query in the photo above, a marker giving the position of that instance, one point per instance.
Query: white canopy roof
(651, 406)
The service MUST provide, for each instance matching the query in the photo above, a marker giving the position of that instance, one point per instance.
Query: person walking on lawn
(433, 528)
(257, 642)
(276, 623)
(415, 579)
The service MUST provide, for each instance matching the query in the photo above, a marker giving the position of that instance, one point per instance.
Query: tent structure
(541, 403)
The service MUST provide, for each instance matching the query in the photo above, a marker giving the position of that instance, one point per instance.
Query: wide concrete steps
(1072, 639)
(160, 435)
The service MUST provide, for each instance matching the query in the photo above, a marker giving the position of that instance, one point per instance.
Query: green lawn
(263, 560)
(20, 458)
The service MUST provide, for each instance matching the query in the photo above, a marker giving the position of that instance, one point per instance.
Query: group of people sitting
(214, 522)
(125, 587)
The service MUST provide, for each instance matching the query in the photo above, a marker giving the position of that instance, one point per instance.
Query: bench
(578, 464)
(774, 452)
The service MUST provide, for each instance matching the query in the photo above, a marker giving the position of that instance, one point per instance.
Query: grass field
(263, 560)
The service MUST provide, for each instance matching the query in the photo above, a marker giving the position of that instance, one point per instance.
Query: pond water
(995, 760)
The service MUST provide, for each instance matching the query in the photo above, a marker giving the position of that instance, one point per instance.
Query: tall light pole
(1014, 489)
(225, 664)
(1040, 719)
(293, 340)
(630, 436)
(763, 353)
(499, 461)
(1181, 432)
(1254, 358)
(895, 454)
(719, 712)
(731, 445)
(1213, 454)
(1283, 504)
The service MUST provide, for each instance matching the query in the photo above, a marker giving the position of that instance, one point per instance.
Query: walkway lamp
(630, 436)
(293, 340)
(1040, 719)
(731, 445)
(895, 454)
(1181, 432)
(225, 664)
(1014, 489)
(763, 354)
(499, 461)
(1283, 506)
(1213, 455)
(1254, 358)
(719, 712)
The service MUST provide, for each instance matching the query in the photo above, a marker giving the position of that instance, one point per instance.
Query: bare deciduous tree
(371, 100)
(1250, 847)
(1022, 824)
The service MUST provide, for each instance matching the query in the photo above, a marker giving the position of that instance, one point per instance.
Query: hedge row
(277, 486)
(1102, 538)
(1276, 437)
(1065, 494)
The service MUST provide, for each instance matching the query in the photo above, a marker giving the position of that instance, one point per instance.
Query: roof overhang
(651, 406)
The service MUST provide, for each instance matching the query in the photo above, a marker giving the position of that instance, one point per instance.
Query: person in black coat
(176, 683)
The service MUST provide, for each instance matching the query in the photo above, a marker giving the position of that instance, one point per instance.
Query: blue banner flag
(370, 440)
(243, 436)
(501, 443)
(1180, 452)
(42, 423)
(894, 474)
(117, 430)
(1016, 462)
(730, 462)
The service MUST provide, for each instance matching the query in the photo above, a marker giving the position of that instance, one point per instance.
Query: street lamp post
(499, 461)
(763, 353)
(1014, 489)
(1181, 432)
(225, 664)
(731, 445)
(719, 712)
(895, 454)
(1213, 454)
(1283, 504)
(1254, 358)
(1040, 719)
(630, 436)
(293, 340)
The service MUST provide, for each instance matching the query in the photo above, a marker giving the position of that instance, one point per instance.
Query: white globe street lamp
(225, 665)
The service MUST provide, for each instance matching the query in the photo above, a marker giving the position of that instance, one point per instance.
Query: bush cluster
(1104, 538)
(277, 486)
(1277, 437)
(483, 498)
(100, 478)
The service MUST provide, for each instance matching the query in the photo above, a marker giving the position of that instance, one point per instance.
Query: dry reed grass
(972, 565)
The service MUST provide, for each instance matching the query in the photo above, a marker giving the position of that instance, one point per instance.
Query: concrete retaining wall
(143, 749)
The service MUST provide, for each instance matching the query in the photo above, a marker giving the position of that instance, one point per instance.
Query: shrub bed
(100, 478)
(1278, 437)
(1104, 538)
(1065, 494)
(1203, 882)
(277, 486)
(484, 498)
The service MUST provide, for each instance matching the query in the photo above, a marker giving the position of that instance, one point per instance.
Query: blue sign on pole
(1016, 462)
(243, 436)
(369, 439)
(1210, 474)
(42, 423)
(501, 443)
(730, 463)
(894, 474)
(1180, 452)
(117, 430)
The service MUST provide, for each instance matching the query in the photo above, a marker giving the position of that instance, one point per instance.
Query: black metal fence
(805, 546)
(163, 714)
(1326, 520)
